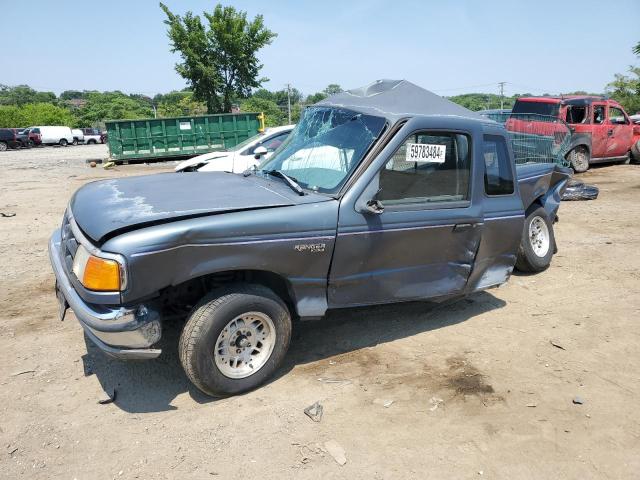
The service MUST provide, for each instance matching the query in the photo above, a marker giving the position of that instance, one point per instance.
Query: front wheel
(75, 142)
(235, 341)
(63, 142)
(537, 244)
(579, 159)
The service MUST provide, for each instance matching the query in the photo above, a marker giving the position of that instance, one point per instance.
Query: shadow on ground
(150, 386)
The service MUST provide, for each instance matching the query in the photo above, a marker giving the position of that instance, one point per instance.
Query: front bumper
(125, 333)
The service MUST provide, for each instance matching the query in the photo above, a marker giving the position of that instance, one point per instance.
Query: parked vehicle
(33, 134)
(601, 129)
(9, 138)
(409, 197)
(157, 138)
(92, 136)
(22, 137)
(54, 135)
(78, 136)
(244, 155)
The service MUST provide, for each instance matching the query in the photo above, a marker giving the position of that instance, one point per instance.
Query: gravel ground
(477, 388)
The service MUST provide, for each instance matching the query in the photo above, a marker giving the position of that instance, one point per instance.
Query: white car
(241, 157)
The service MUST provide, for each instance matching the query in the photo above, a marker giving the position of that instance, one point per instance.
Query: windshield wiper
(287, 179)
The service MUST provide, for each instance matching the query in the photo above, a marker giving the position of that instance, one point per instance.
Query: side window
(428, 167)
(577, 114)
(275, 142)
(616, 116)
(598, 114)
(498, 177)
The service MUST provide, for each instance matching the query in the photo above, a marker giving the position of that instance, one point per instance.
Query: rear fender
(544, 185)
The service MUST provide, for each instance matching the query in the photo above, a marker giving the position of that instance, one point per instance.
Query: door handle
(461, 227)
(610, 133)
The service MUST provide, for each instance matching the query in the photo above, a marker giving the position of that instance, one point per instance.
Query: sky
(451, 47)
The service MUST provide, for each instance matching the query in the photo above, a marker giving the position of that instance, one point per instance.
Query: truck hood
(105, 208)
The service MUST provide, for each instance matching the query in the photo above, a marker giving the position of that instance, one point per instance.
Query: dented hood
(108, 206)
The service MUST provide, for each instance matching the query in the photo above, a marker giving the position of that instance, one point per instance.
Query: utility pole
(289, 102)
(501, 84)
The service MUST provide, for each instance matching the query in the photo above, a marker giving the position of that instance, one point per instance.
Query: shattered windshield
(324, 148)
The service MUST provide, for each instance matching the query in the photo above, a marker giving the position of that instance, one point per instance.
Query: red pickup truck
(601, 129)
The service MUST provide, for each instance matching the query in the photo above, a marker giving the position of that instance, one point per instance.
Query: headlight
(95, 273)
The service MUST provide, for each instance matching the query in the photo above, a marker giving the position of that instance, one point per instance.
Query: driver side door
(424, 242)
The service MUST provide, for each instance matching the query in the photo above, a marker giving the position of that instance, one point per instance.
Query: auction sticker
(425, 152)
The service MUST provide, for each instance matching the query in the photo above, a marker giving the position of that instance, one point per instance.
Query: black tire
(528, 260)
(75, 142)
(635, 152)
(627, 159)
(63, 142)
(579, 159)
(3, 146)
(206, 322)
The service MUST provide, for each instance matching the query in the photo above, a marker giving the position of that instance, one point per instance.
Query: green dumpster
(163, 138)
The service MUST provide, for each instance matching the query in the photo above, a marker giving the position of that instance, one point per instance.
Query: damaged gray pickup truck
(386, 193)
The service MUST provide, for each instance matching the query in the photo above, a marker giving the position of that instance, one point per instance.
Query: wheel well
(182, 297)
(583, 145)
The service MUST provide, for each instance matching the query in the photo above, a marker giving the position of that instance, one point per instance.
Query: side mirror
(375, 207)
(259, 152)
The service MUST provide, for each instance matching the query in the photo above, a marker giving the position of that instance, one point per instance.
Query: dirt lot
(478, 389)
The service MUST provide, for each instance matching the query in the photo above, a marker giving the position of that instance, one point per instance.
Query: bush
(35, 114)
(274, 116)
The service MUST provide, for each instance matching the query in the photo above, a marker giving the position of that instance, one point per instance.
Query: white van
(55, 135)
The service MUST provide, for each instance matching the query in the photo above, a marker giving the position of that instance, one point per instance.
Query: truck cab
(383, 194)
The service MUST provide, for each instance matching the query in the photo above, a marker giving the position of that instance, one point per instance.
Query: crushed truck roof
(396, 99)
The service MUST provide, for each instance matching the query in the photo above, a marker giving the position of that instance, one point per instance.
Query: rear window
(536, 108)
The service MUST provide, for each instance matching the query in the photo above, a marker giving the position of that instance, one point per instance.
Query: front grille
(69, 244)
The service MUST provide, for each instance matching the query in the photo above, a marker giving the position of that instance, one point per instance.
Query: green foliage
(332, 89)
(12, 117)
(113, 106)
(219, 59)
(35, 114)
(177, 104)
(23, 94)
(636, 49)
(625, 89)
(274, 116)
(315, 98)
(482, 101)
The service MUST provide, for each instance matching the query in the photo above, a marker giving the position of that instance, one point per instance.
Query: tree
(23, 94)
(636, 49)
(333, 89)
(625, 89)
(274, 116)
(35, 114)
(219, 62)
(112, 106)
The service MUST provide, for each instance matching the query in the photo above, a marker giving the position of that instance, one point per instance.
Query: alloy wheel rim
(245, 345)
(539, 236)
